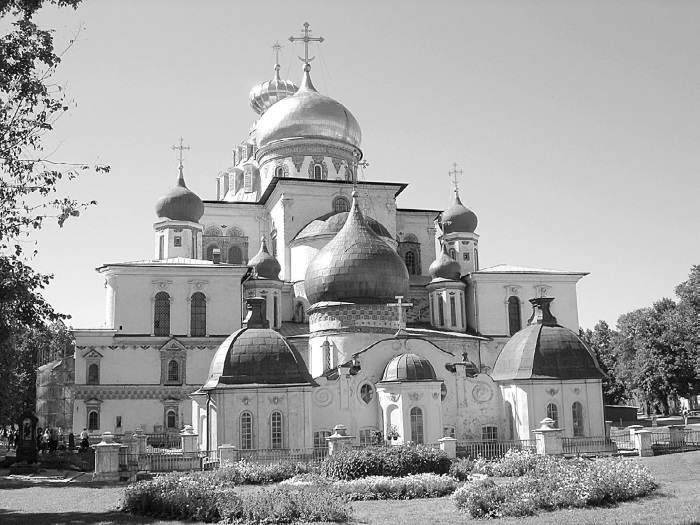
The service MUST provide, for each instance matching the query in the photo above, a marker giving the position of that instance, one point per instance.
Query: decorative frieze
(111, 392)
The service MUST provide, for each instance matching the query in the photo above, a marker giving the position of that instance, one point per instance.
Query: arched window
(235, 255)
(476, 259)
(161, 314)
(577, 413)
(326, 346)
(416, 425)
(510, 420)
(276, 436)
(198, 314)
(553, 413)
(441, 310)
(453, 253)
(210, 251)
(173, 371)
(341, 204)
(318, 172)
(514, 321)
(275, 311)
(93, 375)
(453, 311)
(279, 171)
(171, 419)
(94, 420)
(410, 260)
(246, 441)
(299, 313)
(366, 393)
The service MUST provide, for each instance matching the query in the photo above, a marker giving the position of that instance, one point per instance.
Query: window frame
(276, 430)
(245, 428)
(515, 319)
(579, 421)
(198, 315)
(89, 379)
(489, 433)
(417, 425)
(553, 413)
(161, 314)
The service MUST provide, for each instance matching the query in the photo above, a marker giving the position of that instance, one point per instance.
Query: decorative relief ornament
(323, 397)
(415, 396)
(245, 400)
(577, 391)
(514, 290)
(394, 397)
(482, 393)
(552, 391)
(297, 161)
(337, 163)
(435, 395)
(275, 400)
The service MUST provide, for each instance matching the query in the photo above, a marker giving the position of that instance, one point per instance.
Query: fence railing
(579, 445)
(622, 439)
(276, 455)
(492, 449)
(666, 442)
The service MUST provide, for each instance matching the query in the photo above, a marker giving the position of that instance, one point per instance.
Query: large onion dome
(308, 114)
(264, 95)
(264, 264)
(545, 350)
(257, 354)
(458, 218)
(409, 367)
(445, 267)
(333, 222)
(180, 203)
(356, 266)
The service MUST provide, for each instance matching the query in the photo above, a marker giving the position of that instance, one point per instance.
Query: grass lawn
(676, 502)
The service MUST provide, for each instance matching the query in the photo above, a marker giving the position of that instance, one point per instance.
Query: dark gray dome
(445, 267)
(264, 264)
(409, 367)
(180, 203)
(458, 218)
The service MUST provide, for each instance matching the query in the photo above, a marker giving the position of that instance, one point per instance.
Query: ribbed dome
(180, 203)
(445, 267)
(356, 266)
(545, 350)
(264, 95)
(409, 367)
(458, 218)
(333, 222)
(257, 355)
(308, 114)
(264, 264)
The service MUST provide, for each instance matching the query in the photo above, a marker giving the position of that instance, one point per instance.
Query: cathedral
(300, 298)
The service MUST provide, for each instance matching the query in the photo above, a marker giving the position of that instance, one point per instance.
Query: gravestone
(27, 454)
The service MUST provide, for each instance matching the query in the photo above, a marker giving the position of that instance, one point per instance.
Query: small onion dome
(308, 114)
(257, 354)
(458, 218)
(445, 267)
(180, 203)
(332, 223)
(264, 264)
(545, 350)
(356, 266)
(264, 95)
(409, 367)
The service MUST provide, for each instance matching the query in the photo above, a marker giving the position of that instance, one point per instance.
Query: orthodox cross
(400, 305)
(277, 47)
(454, 174)
(182, 149)
(306, 38)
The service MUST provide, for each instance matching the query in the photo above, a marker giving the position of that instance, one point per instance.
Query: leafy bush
(244, 472)
(461, 468)
(381, 461)
(409, 487)
(555, 483)
(514, 463)
(206, 496)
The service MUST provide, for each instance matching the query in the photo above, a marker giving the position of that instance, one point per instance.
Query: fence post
(188, 439)
(142, 440)
(106, 459)
(608, 428)
(339, 440)
(633, 429)
(227, 454)
(449, 446)
(642, 442)
(549, 440)
(677, 435)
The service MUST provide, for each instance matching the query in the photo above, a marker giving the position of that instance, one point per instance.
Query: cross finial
(400, 305)
(454, 174)
(306, 38)
(182, 149)
(277, 47)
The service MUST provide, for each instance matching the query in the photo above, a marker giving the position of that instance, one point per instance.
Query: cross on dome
(182, 149)
(401, 305)
(454, 174)
(277, 48)
(306, 38)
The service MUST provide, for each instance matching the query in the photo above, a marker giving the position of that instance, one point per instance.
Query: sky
(576, 125)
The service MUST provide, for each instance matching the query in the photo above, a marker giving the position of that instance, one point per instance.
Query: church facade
(299, 299)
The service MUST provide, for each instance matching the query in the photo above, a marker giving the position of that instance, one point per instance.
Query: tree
(688, 293)
(30, 104)
(602, 340)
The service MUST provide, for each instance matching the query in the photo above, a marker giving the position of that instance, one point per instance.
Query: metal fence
(277, 455)
(622, 439)
(492, 449)
(668, 442)
(584, 445)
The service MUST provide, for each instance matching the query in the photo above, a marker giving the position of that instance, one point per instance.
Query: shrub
(556, 483)
(514, 463)
(380, 461)
(461, 468)
(244, 472)
(409, 487)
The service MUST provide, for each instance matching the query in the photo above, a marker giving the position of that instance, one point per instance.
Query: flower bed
(548, 483)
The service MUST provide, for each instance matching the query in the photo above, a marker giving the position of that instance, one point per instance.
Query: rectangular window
(489, 433)
(448, 432)
(275, 315)
(320, 438)
(177, 241)
(276, 440)
(119, 422)
(453, 311)
(441, 311)
(465, 256)
(366, 437)
(161, 247)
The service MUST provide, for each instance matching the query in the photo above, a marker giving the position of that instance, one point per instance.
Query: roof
(409, 367)
(173, 261)
(509, 268)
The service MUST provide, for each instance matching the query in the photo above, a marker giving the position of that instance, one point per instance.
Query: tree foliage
(30, 105)
(602, 340)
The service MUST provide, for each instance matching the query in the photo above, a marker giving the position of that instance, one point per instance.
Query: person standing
(84, 440)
